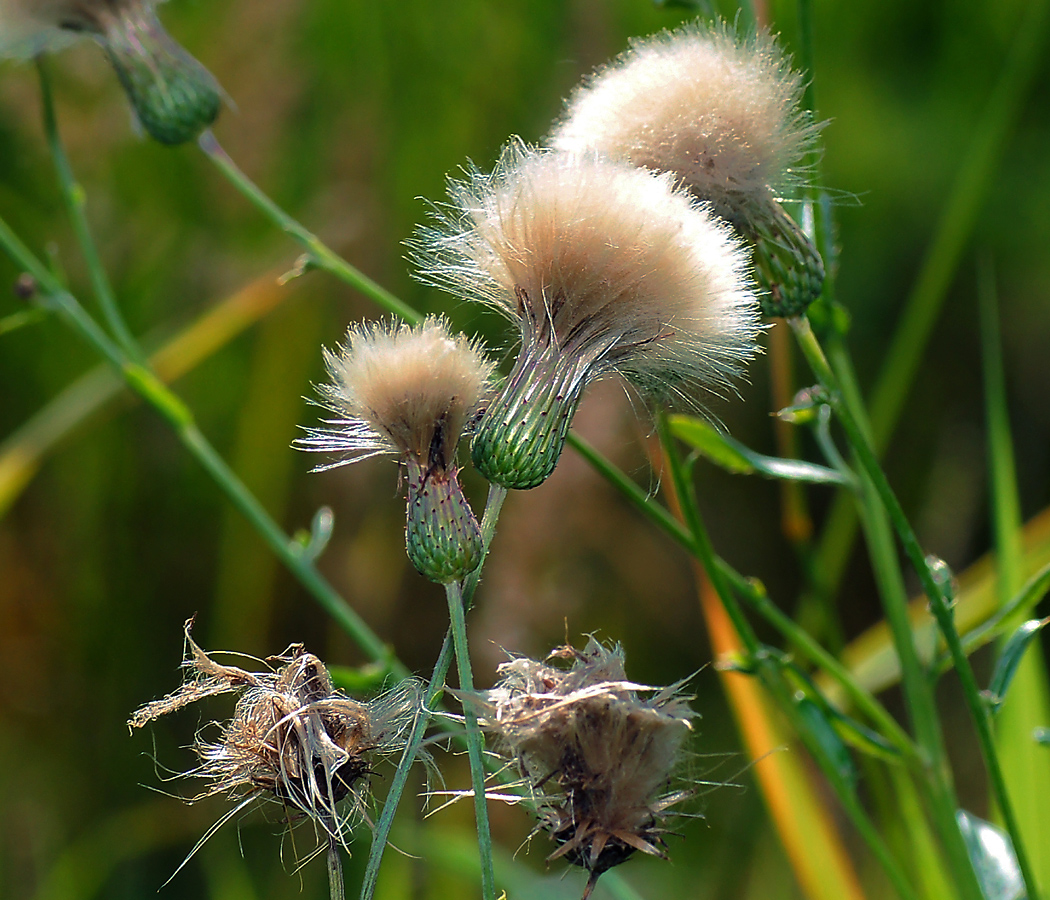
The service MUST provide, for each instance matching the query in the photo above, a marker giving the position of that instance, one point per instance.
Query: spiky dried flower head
(411, 391)
(174, 97)
(722, 111)
(293, 739)
(596, 751)
(603, 267)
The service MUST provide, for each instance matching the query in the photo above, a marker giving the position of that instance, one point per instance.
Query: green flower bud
(442, 535)
(174, 96)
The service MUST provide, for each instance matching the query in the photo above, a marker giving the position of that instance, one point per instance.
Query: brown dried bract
(293, 738)
(596, 750)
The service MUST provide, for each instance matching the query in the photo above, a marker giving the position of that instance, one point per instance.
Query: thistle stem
(75, 200)
(881, 509)
(454, 594)
(318, 253)
(150, 388)
(335, 871)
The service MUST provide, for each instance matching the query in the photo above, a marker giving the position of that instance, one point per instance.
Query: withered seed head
(597, 751)
(293, 738)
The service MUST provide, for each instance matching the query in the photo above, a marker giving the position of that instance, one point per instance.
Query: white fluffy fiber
(719, 109)
(396, 385)
(628, 270)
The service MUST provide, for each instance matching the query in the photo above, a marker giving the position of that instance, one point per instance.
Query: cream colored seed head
(720, 110)
(402, 389)
(609, 263)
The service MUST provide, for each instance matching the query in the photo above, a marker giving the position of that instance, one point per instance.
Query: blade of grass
(1027, 777)
(22, 452)
(924, 303)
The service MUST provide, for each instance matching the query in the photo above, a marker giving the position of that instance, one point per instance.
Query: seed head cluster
(603, 267)
(401, 389)
(719, 110)
(293, 739)
(596, 751)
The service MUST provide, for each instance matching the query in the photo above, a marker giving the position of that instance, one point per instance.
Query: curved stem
(318, 253)
(151, 389)
(74, 199)
(454, 594)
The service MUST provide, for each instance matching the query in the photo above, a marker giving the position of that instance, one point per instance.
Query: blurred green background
(348, 113)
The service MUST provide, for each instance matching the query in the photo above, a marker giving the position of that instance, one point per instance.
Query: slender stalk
(335, 871)
(770, 677)
(880, 503)
(803, 641)
(151, 389)
(381, 833)
(318, 254)
(982, 721)
(493, 505)
(454, 594)
(74, 199)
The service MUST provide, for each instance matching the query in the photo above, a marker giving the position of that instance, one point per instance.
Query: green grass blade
(1023, 761)
(924, 304)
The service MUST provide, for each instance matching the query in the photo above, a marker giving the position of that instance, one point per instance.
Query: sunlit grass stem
(319, 254)
(150, 388)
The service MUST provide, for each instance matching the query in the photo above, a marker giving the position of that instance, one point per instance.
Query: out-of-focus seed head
(411, 391)
(603, 267)
(596, 751)
(174, 97)
(722, 111)
(293, 739)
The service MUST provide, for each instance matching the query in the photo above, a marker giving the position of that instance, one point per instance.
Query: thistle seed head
(174, 97)
(401, 389)
(596, 751)
(722, 111)
(411, 391)
(293, 739)
(603, 267)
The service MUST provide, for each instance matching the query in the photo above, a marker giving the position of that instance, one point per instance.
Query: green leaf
(361, 681)
(827, 738)
(1009, 660)
(734, 457)
(992, 855)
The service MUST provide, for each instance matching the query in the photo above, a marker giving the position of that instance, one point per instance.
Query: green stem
(767, 671)
(493, 505)
(454, 594)
(335, 871)
(860, 699)
(74, 199)
(319, 254)
(979, 711)
(879, 502)
(148, 386)
(381, 833)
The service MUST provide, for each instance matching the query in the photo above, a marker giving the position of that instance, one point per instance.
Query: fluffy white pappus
(30, 27)
(719, 109)
(402, 389)
(610, 265)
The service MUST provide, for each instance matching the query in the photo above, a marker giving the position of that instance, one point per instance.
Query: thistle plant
(293, 740)
(722, 112)
(603, 268)
(642, 244)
